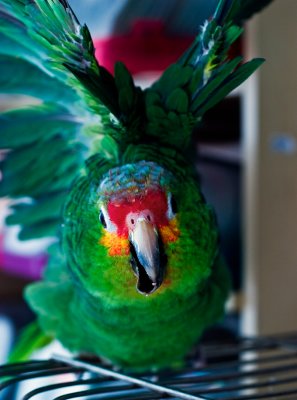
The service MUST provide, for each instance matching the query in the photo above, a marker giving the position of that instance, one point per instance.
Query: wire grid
(260, 368)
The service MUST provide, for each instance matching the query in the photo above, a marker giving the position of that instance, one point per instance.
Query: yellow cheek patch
(170, 232)
(117, 245)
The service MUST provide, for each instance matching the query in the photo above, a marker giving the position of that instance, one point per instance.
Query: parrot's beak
(145, 251)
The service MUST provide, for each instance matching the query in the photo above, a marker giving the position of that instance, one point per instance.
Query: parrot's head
(138, 215)
(136, 231)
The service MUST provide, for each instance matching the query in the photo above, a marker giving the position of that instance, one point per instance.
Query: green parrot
(134, 274)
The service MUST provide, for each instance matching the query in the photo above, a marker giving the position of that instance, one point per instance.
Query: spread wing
(56, 103)
(202, 77)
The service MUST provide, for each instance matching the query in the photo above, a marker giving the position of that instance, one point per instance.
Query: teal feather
(45, 209)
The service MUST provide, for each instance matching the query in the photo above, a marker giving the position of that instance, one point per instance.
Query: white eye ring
(171, 207)
(105, 220)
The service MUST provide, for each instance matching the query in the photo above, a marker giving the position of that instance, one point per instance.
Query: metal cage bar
(259, 368)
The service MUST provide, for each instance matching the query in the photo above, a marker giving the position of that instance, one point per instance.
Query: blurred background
(245, 154)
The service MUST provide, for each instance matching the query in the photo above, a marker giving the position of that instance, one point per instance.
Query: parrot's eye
(102, 219)
(105, 220)
(172, 206)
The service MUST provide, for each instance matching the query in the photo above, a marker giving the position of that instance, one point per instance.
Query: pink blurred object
(146, 48)
(29, 267)
(25, 259)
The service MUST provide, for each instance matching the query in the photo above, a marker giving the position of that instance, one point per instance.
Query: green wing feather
(31, 338)
(200, 79)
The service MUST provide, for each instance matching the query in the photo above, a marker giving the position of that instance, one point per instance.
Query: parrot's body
(139, 277)
(113, 318)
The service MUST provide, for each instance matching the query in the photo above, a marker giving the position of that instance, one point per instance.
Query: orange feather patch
(119, 245)
(170, 232)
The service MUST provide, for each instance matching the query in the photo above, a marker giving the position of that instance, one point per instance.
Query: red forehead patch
(153, 200)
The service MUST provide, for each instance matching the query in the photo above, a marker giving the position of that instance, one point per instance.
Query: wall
(270, 148)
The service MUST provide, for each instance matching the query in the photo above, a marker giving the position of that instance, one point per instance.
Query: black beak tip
(145, 285)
